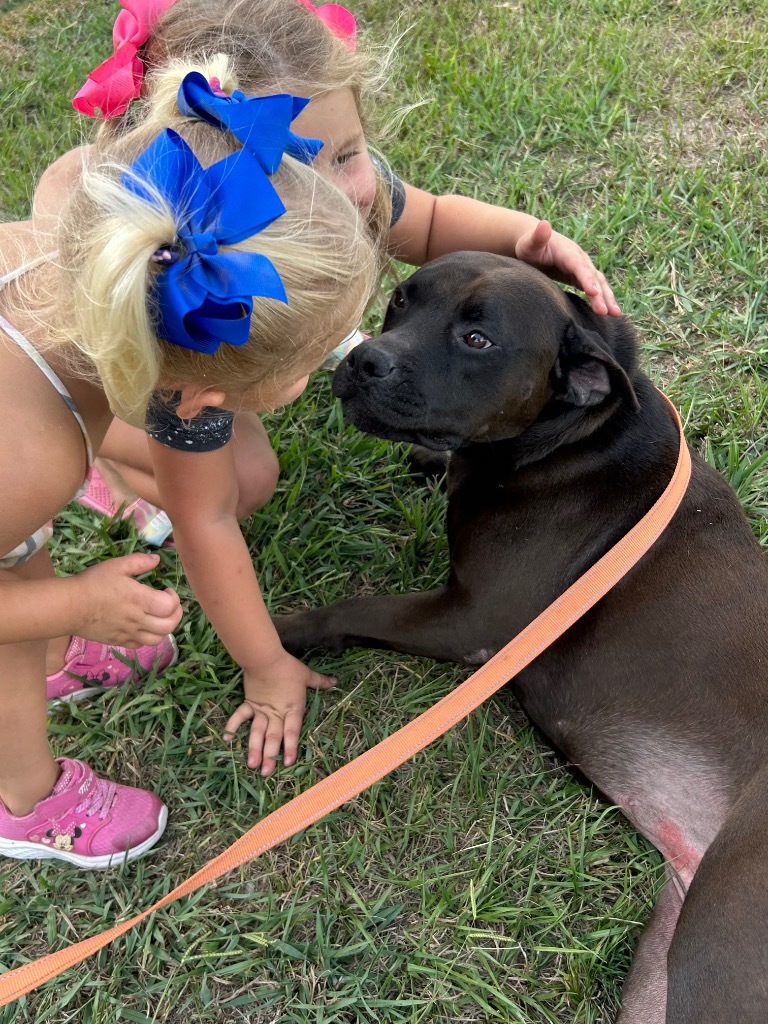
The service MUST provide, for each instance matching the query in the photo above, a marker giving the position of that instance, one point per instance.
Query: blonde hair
(274, 46)
(321, 248)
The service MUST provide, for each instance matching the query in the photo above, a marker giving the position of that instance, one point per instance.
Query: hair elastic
(165, 254)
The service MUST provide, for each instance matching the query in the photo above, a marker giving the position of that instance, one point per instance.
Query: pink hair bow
(337, 19)
(113, 85)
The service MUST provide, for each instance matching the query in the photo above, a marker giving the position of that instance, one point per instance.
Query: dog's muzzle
(379, 396)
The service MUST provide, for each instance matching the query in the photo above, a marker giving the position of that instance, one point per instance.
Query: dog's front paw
(302, 631)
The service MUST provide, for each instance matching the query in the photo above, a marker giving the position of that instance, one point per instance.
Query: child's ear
(195, 398)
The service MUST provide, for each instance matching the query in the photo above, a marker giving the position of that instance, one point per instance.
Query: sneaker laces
(99, 799)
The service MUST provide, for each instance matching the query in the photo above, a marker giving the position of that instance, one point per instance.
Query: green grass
(479, 882)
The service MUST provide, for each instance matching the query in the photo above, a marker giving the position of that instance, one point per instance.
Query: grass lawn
(479, 882)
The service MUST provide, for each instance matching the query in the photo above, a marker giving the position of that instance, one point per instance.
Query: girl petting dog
(278, 45)
(201, 265)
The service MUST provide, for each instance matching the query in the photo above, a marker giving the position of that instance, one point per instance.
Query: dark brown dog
(659, 694)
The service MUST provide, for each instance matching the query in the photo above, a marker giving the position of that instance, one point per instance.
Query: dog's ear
(585, 372)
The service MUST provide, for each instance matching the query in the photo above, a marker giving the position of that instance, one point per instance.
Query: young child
(202, 265)
(280, 45)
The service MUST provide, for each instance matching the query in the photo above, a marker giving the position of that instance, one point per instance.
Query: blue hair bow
(260, 123)
(205, 297)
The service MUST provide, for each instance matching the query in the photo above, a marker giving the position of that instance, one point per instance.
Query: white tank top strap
(14, 274)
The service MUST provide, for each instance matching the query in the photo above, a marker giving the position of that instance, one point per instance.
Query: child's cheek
(298, 389)
(291, 393)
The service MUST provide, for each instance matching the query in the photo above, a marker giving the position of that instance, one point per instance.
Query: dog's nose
(370, 361)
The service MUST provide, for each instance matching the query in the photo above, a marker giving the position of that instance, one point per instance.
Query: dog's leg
(427, 463)
(432, 624)
(718, 960)
(644, 995)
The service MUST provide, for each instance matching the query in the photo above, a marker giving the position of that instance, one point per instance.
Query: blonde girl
(278, 45)
(202, 264)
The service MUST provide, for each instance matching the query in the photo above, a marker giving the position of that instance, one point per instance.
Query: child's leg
(256, 464)
(128, 467)
(58, 808)
(28, 771)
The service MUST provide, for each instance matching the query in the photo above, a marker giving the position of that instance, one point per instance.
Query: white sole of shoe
(20, 850)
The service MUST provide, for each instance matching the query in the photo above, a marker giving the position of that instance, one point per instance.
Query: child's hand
(274, 705)
(561, 258)
(114, 608)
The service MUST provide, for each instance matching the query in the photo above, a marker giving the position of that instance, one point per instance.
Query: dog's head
(478, 347)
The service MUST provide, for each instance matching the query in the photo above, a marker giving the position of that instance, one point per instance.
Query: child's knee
(257, 479)
(256, 464)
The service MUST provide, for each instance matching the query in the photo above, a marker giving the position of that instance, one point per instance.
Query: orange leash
(328, 794)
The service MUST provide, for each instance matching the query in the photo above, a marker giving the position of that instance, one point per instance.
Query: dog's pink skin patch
(670, 840)
(680, 831)
(671, 794)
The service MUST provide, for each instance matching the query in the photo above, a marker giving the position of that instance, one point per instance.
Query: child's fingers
(321, 682)
(594, 285)
(601, 297)
(158, 627)
(531, 246)
(273, 741)
(136, 563)
(148, 637)
(291, 733)
(609, 297)
(256, 740)
(542, 233)
(598, 303)
(161, 603)
(575, 264)
(243, 714)
(176, 611)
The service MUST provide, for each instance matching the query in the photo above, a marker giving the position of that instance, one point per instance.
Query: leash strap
(350, 780)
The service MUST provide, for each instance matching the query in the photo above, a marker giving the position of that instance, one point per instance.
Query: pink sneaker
(85, 821)
(152, 523)
(90, 667)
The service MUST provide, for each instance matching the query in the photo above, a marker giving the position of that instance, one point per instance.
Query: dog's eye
(398, 300)
(476, 340)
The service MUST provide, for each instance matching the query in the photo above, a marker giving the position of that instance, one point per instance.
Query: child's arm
(431, 226)
(102, 603)
(199, 492)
